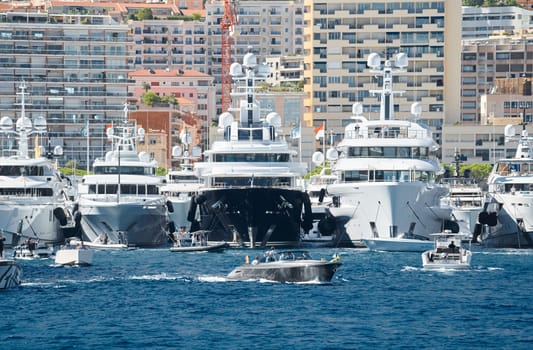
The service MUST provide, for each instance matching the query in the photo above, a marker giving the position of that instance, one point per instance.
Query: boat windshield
(388, 152)
(517, 168)
(388, 176)
(13, 170)
(271, 256)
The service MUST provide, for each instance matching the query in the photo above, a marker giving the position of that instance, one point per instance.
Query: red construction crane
(229, 20)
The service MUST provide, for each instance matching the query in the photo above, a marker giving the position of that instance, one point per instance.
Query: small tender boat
(404, 243)
(32, 249)
(448, 253)
(198, 243)
(10, 273)
(102, 242)
(287, 266)
(75, 252)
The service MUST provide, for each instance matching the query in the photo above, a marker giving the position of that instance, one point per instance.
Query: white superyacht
(33, 199)
(507, 217)
(387, 170)
(121, 201)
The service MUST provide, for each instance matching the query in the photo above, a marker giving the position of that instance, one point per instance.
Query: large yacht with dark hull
(250, 195)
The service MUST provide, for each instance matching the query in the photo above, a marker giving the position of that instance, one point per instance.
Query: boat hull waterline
(251, 216)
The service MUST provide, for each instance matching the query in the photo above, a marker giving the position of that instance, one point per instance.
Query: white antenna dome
(509, 131)
(58, 150)
(23, 123)
(186, 137)
(6, 123)
(373, 60)
(274, 119)
(110, 133)
(401, 60)
(263, 70)
(317, 158)
(177, 151)
(357, 108)
(39, 123)
(225, 119)
(144, 156)
(416, 108)
(249, 60)
(235, 70)
(332, 154)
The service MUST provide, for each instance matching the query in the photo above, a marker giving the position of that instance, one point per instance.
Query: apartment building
(269, 28)
(339, 36)
(75, 67)
(482, 22)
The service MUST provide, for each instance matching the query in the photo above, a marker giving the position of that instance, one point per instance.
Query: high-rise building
(75, 67)
(339, 36)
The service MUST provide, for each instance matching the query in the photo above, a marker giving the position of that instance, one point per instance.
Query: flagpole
(300, 140)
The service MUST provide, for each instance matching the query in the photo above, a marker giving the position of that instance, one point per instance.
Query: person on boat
(452, 247)
(269, 255)
(255, 261)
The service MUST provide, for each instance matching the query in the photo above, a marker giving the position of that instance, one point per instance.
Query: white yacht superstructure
(122, 198)
(33, 199)
(386, 172)
(181, 184)
(507, 217)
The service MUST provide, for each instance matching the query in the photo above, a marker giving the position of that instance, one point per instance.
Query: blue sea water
(156, 299)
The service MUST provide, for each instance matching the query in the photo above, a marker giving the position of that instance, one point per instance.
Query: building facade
(339, 36)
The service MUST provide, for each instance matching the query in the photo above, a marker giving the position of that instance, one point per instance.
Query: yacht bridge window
(125, 170)
(252, 157)
(27, 192)
(387, 176)
(28, 170)
(251, 181)
(133, 189)
(388, 152)
(514, 168)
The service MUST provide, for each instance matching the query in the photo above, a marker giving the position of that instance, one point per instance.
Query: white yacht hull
(514, 226)
(180, 210)
(446, 261)
(139, 222)
(29, 219)
(393, 207)
(397, 244)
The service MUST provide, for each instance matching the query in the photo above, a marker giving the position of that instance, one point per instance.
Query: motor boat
(287, 266)
(466, 199)
(122, 197)
(406, 242)
(387, 171)
(74, 252)
(102, 243)
(10, 273)
(33, 249)
(197, 243)
(506, 220)
(33, 200)
(447, 253)
(250, 194)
